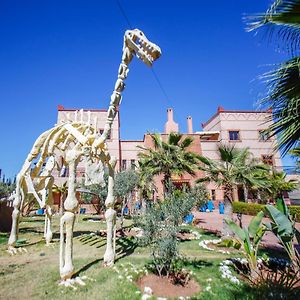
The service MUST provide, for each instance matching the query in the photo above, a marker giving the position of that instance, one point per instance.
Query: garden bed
(163, 287)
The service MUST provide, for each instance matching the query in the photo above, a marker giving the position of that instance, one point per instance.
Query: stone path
(214, 221)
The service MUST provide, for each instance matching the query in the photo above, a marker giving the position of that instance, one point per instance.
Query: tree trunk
(245, 192)
(234, 193)
(122, 213)
(131, 210)
(228, 212)
(258, 196)
(167, 181)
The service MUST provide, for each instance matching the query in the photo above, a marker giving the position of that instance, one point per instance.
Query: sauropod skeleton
(77, 140)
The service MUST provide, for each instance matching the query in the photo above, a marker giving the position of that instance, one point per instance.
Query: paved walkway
(214, 222)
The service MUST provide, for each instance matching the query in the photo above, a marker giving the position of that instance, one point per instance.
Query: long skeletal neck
(116, 96)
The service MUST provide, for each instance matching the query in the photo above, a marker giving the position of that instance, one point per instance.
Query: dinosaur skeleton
(77, 140)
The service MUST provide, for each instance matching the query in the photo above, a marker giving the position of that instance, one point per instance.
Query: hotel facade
(244, 129)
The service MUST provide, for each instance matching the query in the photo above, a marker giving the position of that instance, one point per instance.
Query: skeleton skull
(136, 40)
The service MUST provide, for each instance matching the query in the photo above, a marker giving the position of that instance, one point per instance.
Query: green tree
(125, 183)
(146, 183)
(236, 166)
(63, 192)
(170, 157)
(277, 184)
(160, 224)
(6, 189)
(282, 21)
(251, 173)
(199, 193)
(95, 194)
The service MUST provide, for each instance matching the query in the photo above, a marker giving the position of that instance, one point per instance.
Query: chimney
(189, 125)
(170, 125)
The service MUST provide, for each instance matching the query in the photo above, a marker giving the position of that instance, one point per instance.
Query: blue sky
(68, 53)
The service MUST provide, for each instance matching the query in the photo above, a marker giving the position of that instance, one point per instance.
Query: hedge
(253, 209)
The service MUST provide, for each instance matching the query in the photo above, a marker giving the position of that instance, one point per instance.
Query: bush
(253, 209)
(295, 212)
(160, 225)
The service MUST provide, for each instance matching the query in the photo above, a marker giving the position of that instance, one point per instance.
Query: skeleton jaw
(136, 41)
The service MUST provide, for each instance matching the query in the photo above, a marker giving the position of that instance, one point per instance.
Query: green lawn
(35, 275)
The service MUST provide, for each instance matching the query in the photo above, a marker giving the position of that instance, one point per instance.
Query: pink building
(241, 128)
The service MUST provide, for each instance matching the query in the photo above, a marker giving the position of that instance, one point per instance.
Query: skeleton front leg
(68, 219)
(15, 218)
(48, 218)
(48, 199)
(110, 216)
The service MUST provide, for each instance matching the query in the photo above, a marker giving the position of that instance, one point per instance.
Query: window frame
(271, 159)
(239, 135)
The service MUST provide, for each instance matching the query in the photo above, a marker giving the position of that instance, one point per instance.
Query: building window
(124, 162)
(263, 135)
(132, 164)
(213, 195)
(268, 159)
(234, 135)
(108, 136)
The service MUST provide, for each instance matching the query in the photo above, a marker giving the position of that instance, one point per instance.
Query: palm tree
(62, 191)
(296, 155)
(279, 184)
(236, 166)
(251, 173)
(146, 183)
(169, 157)
(282, 20)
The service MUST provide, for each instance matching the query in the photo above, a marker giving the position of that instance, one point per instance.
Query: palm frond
(174, 138)
(156, 138)
(284, 99)
(185, 143)
(227, 152)
(281, 22)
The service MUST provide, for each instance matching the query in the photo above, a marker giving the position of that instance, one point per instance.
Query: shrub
(160, 225)
(253, 209)
(283, 226)
(250, 238)
(295, 212)
(200, 193)
(278, 284)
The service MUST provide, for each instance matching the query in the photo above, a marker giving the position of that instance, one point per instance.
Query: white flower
(146, 297)
(147, 290)
(208, 288)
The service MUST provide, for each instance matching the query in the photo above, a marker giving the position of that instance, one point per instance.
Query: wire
(166, 97)
(124, 14)
(160, 85)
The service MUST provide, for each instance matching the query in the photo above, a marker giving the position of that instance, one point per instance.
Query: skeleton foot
(14, 251)
(109, 259)
(74, 282)
(67, 272)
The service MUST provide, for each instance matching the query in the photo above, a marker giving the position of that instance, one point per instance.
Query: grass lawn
(35, 274)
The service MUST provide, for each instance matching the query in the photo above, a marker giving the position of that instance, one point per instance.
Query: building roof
(222, 110)
(62, 108)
